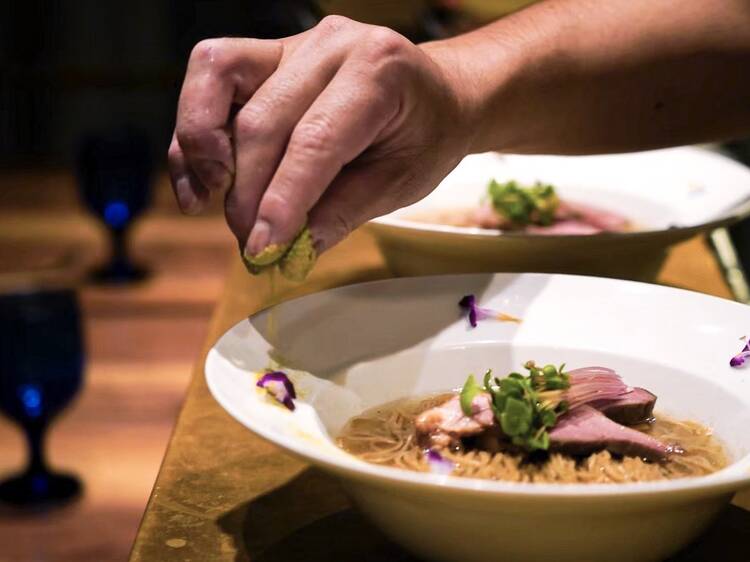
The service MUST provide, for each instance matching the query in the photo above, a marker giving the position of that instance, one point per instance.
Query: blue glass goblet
(114, 173)
(41, 368)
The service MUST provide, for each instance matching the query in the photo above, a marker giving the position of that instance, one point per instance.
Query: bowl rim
(732, 478)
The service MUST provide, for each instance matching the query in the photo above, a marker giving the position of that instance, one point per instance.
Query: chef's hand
(332, 127)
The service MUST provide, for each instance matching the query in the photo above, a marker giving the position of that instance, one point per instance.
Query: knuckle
(192, 137)
(333, 24)
(188, 135)
(205, 50)
(233, 61)
(313, 137)
(385, 44)
(197, 141)
(252, 123)
(219, 55)
(277, 209)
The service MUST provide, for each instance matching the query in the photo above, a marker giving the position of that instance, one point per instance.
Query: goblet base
(118, 274)
(39, 490)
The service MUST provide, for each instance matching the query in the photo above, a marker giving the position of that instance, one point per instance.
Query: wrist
(491, 79)
(461, 88)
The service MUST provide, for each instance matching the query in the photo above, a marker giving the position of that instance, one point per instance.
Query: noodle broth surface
(385, 435)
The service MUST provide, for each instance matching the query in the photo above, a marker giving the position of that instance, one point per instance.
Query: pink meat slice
(637, 406)
(571, 218)
(444, 425)
(593, 216)
(586, 430)
(485, 216)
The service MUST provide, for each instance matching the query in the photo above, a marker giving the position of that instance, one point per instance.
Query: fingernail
(212, 174)
(259, 238)
(189, 203)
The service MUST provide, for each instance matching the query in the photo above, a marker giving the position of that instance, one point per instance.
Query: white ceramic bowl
(375, 342)
(672, 194)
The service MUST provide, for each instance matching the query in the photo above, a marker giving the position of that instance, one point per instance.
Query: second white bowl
(671, 194)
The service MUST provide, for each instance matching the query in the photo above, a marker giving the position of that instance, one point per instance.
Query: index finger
(220, 73)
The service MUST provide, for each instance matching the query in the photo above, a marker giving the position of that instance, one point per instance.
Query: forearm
(586, 76)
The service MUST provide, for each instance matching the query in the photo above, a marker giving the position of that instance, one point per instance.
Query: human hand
(328, 128)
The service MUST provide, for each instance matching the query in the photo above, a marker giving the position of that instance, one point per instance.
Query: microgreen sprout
(524, 406)
(523, 205)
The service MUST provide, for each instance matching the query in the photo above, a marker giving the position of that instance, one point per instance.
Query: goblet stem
(35, 439)
(120, 246)
(119, 268)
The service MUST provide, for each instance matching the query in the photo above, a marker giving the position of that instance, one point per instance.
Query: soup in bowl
(327, 376)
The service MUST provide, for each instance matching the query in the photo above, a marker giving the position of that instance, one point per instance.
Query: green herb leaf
(513, 386)
(556, 383)
(499, 398)
(488, 386)
(468, 392)
(516, 418)
(524, 406)
(524, 205)
(540, 442)
(548, 417)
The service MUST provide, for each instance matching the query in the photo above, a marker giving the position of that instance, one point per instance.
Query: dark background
(79, 67)
(72, 68)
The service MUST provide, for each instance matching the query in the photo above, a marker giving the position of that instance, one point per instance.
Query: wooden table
(225, 494)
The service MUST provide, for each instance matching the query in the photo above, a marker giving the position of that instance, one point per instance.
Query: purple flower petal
(278, 385)
(739, 359)
(437, 463)
(485, 313)
(476, 313)
(468, 303)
